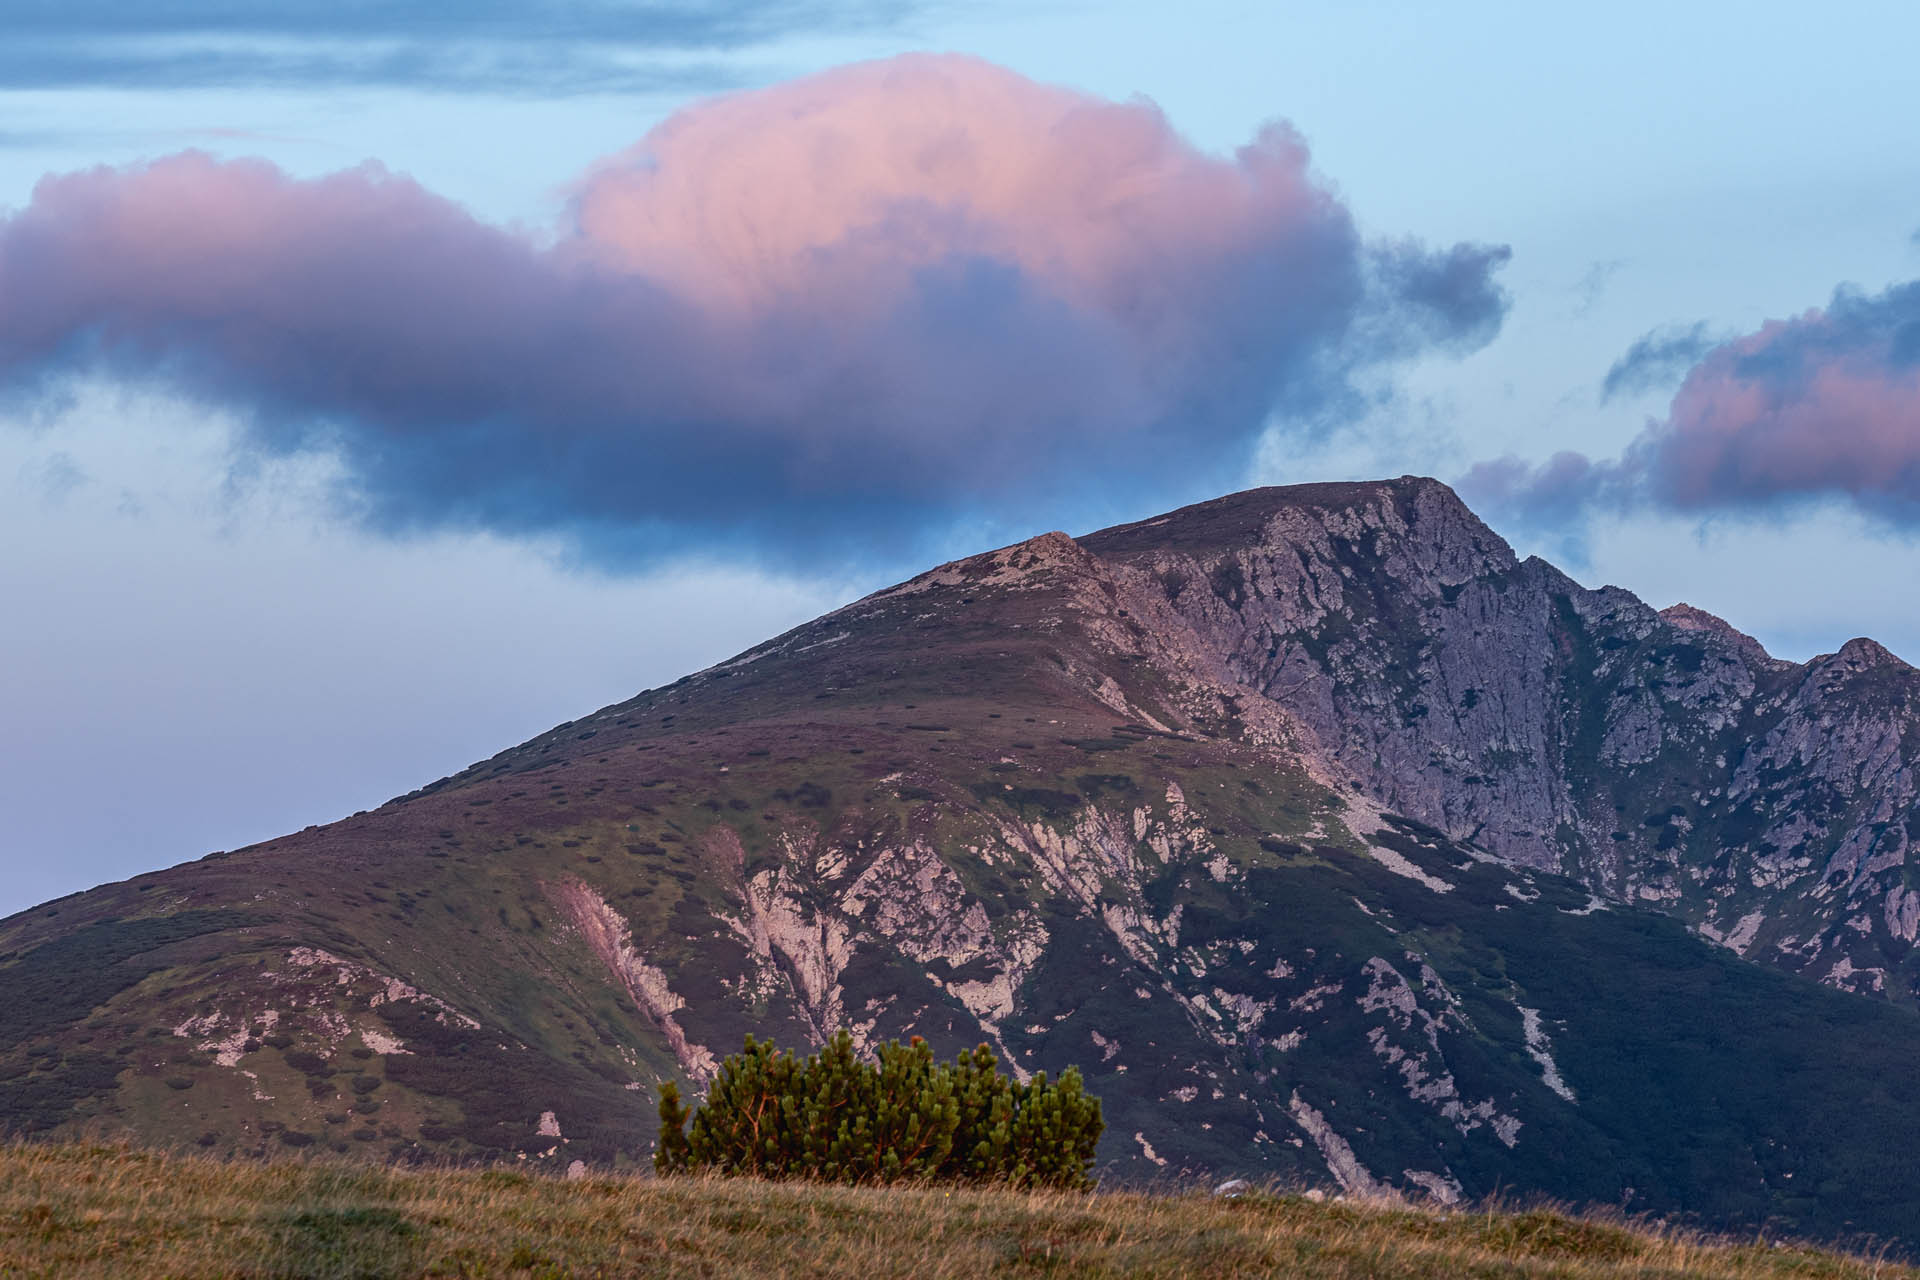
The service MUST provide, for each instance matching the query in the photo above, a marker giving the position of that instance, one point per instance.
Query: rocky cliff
(1659, 757)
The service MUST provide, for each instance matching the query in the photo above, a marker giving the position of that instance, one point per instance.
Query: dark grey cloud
(1447, 299)
(890, 349)
(554, 70)
(494, 46)
(1657, 359)
(691, 24)
(1536, 495)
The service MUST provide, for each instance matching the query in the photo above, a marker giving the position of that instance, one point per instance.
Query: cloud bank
(814, 317)
(1822, 406)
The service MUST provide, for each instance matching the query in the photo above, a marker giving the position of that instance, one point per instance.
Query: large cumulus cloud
(1825, 405)
(852, 306)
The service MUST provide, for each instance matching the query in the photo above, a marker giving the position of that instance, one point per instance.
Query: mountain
(1327, 837)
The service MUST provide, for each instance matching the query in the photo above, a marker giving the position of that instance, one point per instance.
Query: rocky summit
(1328, 838)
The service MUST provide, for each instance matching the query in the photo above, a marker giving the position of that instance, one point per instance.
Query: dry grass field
(116, 1211)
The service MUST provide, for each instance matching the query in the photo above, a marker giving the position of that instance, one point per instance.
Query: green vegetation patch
(500, 1091)
(903, 1117)
(1092, 745)
(45, 1098)
(1044, 802)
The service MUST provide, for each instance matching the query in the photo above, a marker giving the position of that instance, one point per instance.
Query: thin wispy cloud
(829, 316)
(1588, 290)
(1657, 360)
(21, 138)
(68, 140)
(540, 47)
(53, 476)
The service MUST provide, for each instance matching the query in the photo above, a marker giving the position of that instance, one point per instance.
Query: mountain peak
(1414, 520)
(1042, 556)
(1863, 654)
(1687, 618)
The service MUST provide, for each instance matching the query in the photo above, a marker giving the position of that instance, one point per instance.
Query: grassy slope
(90, 1211)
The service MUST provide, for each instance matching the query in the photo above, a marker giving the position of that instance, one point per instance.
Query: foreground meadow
(115, 1211)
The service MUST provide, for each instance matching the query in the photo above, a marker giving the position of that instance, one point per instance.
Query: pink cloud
(897, 292)
(1744, 427)
(1825, 405)
(761, 196)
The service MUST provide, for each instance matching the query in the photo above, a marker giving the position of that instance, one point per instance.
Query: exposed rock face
(1330, 839)
(605, 931)
(1661, 757)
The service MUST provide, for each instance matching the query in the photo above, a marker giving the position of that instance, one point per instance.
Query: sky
(381, 385)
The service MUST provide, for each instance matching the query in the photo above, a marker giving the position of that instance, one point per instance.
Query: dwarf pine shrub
(834, 1118)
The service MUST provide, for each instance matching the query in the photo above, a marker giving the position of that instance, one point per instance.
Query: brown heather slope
(1331, 840)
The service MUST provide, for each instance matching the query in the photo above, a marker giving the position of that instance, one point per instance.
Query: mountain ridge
(1328, 836)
